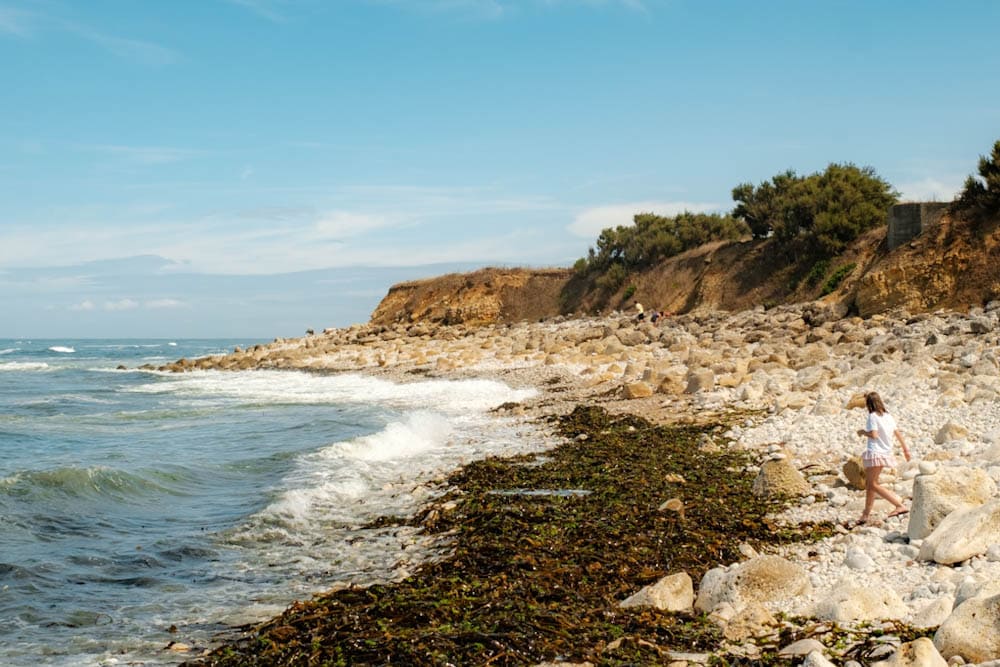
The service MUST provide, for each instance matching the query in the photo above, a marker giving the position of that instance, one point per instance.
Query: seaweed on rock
(539, 576)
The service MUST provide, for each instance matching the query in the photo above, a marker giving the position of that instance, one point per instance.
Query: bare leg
(873, 488)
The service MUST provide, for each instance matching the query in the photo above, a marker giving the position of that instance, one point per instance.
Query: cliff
(952, 264)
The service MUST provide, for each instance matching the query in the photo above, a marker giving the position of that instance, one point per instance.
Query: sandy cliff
(952, 265)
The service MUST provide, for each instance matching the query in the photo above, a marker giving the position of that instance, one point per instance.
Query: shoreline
(788, 374)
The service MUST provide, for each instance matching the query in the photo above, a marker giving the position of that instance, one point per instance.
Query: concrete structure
(907, 221)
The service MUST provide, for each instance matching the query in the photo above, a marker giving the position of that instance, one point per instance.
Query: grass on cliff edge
(540, 577)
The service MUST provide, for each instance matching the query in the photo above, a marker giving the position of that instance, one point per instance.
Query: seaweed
(540, 576)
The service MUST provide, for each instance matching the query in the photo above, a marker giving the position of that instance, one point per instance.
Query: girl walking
(880, 429)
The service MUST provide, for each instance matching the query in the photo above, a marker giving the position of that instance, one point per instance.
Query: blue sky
(257, 167)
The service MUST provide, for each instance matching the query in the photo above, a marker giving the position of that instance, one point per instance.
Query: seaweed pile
(544, 548)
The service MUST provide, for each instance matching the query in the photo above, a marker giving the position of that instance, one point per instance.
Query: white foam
(455, 397)
(25, 366)
(62, 349)
(9, 350)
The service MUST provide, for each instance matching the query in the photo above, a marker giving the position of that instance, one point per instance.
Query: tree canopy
(827, 210)
(981, 195)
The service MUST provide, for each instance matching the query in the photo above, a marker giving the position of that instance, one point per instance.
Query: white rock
(937, 496)
(857, 559)
(928, 467)
(816, 659)
(966, 532)
(801, 647)
(761, 579)
(972, 631)
(933, 614)
(854, 600)
(918, 653)
(674, 592)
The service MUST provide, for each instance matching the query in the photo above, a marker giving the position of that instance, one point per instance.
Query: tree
(981, 195)
(823, 210)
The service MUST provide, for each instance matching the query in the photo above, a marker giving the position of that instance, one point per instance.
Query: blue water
(133, 503)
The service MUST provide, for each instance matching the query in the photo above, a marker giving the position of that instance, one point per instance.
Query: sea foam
(62, 349)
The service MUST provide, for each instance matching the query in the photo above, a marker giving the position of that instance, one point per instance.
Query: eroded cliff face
(480, 297)
(954, 264)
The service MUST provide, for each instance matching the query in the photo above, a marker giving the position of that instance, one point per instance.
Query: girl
(879, 430)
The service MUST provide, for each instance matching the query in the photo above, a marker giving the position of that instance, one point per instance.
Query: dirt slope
(955, 264)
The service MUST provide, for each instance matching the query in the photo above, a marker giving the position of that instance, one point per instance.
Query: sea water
(139, 508)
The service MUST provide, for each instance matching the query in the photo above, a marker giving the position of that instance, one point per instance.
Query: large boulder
(918, 653)
(854, 600)
(937, 495)
(854, 471)
(780, 478)
(972, 631)
(674, 592)
(761, 579)
(966, 532)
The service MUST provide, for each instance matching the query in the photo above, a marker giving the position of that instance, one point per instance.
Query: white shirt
(883, 426)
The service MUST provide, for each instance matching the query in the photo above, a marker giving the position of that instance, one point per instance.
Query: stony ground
(782, 380)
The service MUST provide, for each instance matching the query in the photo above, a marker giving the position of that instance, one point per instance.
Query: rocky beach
(786, 383)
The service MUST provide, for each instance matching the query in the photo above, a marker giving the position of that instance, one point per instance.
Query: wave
(455, 397)
(73, 482)
(10, 350)
(25, 366)
(62, 349)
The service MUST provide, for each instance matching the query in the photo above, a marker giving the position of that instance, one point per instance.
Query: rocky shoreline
(786, 379)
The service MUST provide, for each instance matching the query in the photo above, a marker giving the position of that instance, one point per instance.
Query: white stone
(761, 579)
(972, 631)
(857, 559)
(674, 592)
(934, 613)
(937, 496)
(918, 653)
(853, 600)
(816, 659)
(966, 532)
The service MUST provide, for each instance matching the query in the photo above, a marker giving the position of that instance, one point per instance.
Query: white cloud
(931, 189)
(147, 154)
(590, 222)
(122, 304)
(15, 22)
(165, 303)
(83, 306)
(341, 224)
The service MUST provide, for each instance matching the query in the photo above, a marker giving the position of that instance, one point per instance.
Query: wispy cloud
(15, 22)
(83, 306)
(158, 304)
(343, 224)
(121, 304)
(146, 154)
(266, 9)
(931, 189)
(590, 222)
(27, 24)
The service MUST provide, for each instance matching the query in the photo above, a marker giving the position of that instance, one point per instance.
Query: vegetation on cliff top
(811, 218)
(980, 198)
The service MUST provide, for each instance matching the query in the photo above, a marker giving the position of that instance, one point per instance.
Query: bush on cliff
(823, 211)
(980, 197)
(650, 239)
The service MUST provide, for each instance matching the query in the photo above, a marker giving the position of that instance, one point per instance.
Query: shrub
(981, 194)
(837, 277)
(827, 210)
(818, 271)
(629, 291)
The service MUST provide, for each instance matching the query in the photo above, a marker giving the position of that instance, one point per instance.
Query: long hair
(874, 403)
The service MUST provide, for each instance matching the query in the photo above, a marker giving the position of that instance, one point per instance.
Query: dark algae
(543, 550)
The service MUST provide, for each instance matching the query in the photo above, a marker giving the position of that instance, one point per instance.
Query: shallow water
(133, 501)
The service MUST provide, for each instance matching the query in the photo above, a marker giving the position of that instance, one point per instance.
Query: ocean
(140, 508)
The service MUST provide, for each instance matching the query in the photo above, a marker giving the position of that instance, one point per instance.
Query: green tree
(824, 210)
(981, 195)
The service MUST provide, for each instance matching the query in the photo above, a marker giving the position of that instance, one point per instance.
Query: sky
(254, 168)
